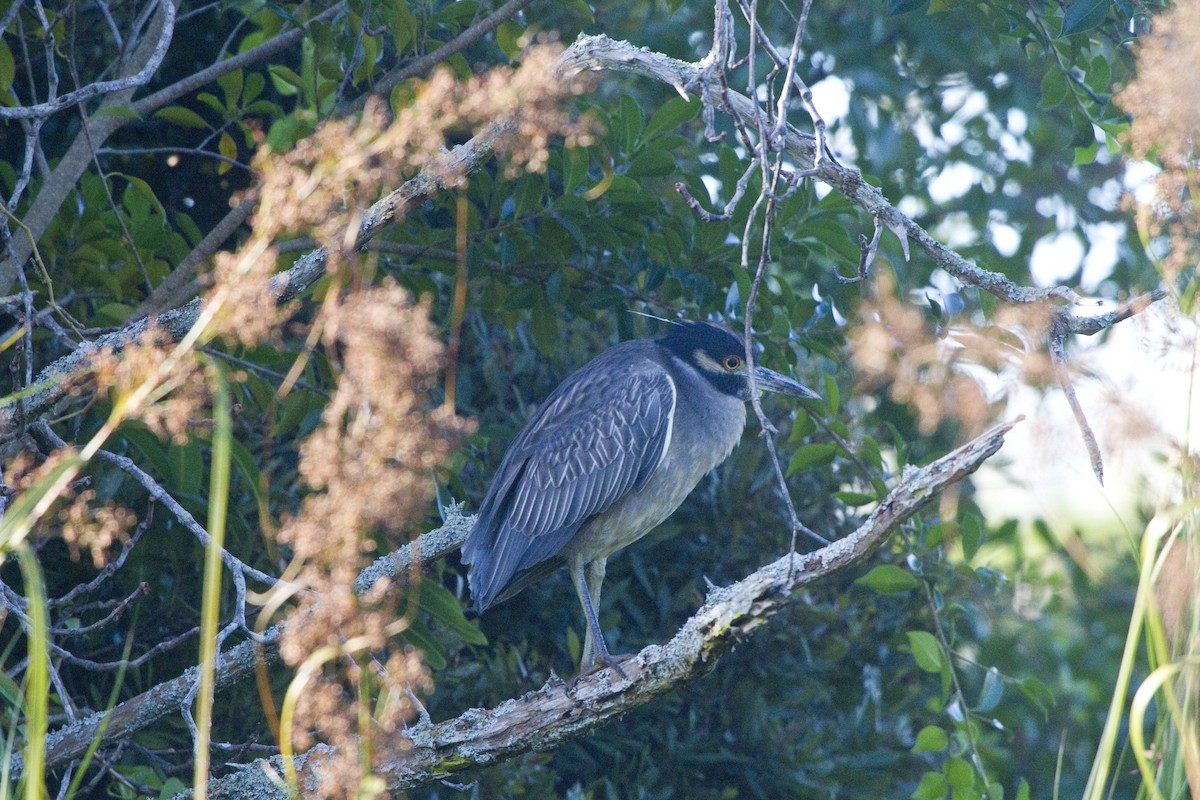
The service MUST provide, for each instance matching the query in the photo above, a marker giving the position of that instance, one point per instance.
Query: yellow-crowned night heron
(609, 455)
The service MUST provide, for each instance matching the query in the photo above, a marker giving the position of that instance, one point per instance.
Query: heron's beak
(769, 381)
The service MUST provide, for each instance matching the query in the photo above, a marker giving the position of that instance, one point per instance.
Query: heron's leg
(593, 644)
(588, 578)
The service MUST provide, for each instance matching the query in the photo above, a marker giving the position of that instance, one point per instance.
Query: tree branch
(236, 663)
(78, 157)
(126, 83)
(601, 52)
(54, 381)
(545, 718)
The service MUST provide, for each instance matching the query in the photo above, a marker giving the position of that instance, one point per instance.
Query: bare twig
(43, 431)
(1058, 357)
(112, 566)
(238, 662)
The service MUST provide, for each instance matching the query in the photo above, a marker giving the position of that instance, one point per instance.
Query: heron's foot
(601, 661)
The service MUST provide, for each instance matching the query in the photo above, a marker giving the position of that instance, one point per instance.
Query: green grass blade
(210, 606)
(37, 686)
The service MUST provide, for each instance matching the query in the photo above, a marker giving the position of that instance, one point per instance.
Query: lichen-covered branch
(53, 382)
(543, 719)
(601, 52)
(237, 663)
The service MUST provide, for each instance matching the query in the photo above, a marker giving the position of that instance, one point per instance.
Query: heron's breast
(696, 447)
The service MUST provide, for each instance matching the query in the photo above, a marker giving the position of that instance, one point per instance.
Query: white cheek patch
(706, 362)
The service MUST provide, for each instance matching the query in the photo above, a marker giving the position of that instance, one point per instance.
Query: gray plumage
(607, 457)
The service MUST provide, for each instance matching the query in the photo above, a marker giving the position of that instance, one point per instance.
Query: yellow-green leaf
(227, 148)
(178, 115)
(889, 579)
(931, 739)
(926, 651)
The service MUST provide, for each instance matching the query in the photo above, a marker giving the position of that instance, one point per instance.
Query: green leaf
(419, 637)
(144, 190)
(170, 788)
(971, 532)
(1083, 15)
(832, 395)
(630, 122)
(889, 579)
(671, 115)
(545, 326)
(528, 194)
(802, 428)
(228, 148)
(932, 787)
(651, 163)
(574, 168)
(931, 739)
(1086, 155)
(1038, 694)
(187, 466)
(8, 66)
(992, 691)
(958, 774)
(1099, 74)
(286, 81)
(926, 651)
(443, 606)
(178, 115)
(1054, 88)
(811, 456)
(1023, 790)
(231, 86)
(248, 467)
(854, 499)
(10, 692)
(508, 36)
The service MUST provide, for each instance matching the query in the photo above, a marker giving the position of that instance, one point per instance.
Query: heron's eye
(732, 362)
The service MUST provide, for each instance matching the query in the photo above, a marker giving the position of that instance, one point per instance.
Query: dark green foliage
(847, 696)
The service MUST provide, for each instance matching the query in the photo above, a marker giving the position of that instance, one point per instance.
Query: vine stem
(939, 631)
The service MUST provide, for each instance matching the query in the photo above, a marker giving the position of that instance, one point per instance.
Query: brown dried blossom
(82, 523)
(369, 465)
(178, 387)
(936, 372)
(346, 161)
(1164, 100)
(95, 528)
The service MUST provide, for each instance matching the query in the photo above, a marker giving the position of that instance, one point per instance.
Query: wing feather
(601, 434)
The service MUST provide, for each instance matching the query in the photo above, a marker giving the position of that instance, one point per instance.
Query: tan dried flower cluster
(345, 161)
(897, 346)
(315, 188)
(179, 388)
(370, 465)
(249, 313)
(1164, 100)
(86, 525)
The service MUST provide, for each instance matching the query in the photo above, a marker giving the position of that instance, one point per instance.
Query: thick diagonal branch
(543, 719)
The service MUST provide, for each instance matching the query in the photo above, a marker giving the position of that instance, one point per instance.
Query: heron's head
(719, 355)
